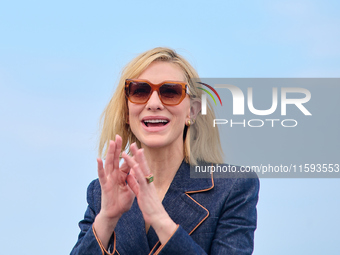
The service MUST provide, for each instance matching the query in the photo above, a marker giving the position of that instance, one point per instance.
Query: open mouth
(155, 123)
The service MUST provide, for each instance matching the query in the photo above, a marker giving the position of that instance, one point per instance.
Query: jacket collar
(183, 182)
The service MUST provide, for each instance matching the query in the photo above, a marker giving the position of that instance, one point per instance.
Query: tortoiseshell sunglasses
(169, 92)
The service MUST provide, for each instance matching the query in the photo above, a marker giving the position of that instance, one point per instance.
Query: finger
(132, 173)
(136, 168)
(133, 184)
(121, 178)
(109, 157)
(101, 173)
(124, 168)
(129, 160)
(140, 176)
(141, 160)
(122, 173)
(133, 148)
(117, 152)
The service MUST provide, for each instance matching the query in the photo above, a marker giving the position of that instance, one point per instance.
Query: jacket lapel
(181, 207)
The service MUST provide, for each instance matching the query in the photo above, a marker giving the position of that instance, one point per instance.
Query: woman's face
(169, 134)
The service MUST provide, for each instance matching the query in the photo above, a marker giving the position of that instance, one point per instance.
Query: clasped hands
(120, 185)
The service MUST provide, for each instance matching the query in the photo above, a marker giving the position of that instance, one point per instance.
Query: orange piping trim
(101, 244)
(196, 191)
(189, 192)
(161, 247)
(203, 218)
(98, 240)
(153, 247)
(202, 190)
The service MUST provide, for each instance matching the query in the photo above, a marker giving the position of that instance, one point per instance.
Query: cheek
(134, 110)
(181, 113)
(184, 110)
(134, 113)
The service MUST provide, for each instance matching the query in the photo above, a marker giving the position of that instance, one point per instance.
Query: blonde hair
(205, 142)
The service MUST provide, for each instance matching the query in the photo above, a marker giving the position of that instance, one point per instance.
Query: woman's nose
(154, 102)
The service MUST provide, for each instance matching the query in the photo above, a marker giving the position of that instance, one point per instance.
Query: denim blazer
(214, 216)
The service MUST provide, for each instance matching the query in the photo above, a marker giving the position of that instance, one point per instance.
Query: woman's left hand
(146, 194)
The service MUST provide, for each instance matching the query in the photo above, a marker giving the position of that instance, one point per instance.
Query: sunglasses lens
(171, 93)
(139, 92)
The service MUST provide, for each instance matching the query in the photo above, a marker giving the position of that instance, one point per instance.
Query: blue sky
(60, 61)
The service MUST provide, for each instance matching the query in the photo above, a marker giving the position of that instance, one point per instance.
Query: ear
(195, 108)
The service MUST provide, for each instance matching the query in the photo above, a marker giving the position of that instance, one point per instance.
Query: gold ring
(149, 178)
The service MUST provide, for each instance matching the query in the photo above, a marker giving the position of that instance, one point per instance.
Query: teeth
(155, 121)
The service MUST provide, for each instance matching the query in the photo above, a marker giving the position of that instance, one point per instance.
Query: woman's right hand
(116, 197)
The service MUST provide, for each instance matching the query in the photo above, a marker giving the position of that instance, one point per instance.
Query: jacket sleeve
(235, 230)
(87, 241)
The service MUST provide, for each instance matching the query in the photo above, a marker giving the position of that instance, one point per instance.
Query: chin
(154, 144)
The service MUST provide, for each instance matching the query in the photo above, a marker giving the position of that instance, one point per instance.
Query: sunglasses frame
(156, 87)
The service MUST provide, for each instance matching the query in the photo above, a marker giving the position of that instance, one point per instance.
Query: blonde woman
(149, 204)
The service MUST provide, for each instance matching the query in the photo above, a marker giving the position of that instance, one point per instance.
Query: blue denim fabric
(215, 217)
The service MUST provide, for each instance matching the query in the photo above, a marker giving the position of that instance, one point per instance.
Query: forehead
(159, 71)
